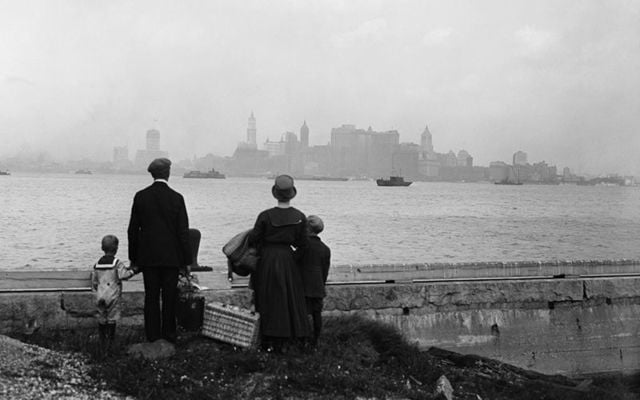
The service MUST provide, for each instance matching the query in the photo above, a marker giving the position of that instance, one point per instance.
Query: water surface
(56, 221)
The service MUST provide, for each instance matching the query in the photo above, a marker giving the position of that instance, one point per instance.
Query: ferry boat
(393, 181)
(321, 178)
(212, 174)
(508, 182)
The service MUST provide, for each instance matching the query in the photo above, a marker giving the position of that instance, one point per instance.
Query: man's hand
(134, 268)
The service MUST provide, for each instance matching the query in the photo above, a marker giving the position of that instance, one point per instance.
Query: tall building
(152, 151)
(357, 152)
(251, 130)
(153, 140)
(426, 141)
(519, 158)
(304, 135)
(464, 159)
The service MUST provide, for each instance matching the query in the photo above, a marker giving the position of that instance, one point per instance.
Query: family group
(288, 282)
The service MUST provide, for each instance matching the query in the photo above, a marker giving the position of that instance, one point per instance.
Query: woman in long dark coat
(277, 281)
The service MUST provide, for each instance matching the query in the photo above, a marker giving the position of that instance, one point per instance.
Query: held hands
(134, 268)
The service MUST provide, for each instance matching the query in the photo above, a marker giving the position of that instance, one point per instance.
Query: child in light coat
(106, 283)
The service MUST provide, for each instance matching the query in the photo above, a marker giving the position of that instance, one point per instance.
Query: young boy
(107, 276)
(315, 269)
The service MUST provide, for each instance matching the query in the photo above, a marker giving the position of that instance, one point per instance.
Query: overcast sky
(557, 79)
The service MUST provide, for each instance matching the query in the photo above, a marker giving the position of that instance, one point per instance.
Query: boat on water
(507, 182)
(4, 173)
(321, 178)
(393, 181)
(212, 174)
(83, 172)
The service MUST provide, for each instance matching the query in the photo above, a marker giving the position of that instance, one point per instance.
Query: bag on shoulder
(242, 258)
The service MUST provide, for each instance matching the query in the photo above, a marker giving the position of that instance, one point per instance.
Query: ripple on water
(58, 220)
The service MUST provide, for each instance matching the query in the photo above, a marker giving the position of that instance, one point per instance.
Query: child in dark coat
(315, 269)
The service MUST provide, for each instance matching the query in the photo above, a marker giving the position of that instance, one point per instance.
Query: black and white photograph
(320, 199)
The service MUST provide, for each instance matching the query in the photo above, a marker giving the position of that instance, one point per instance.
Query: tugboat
(393, 181)
(213, 174)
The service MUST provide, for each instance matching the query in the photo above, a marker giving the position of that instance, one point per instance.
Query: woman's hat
(283, 188)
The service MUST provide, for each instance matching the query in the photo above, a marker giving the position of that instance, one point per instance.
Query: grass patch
(356, 358)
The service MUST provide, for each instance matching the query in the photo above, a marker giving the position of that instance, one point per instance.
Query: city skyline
(124, 159)
(557, 80)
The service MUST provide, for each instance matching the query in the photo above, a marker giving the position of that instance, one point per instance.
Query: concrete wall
(571, 326)
(567, 326)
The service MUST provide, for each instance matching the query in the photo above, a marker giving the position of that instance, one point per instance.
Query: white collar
(160, 180)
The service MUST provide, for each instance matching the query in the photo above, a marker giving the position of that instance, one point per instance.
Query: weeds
(355, 358)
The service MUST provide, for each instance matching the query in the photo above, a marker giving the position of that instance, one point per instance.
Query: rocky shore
(33, 372)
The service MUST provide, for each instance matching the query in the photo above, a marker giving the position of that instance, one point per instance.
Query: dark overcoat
(159, 228)
(277, 282)
(315, 267)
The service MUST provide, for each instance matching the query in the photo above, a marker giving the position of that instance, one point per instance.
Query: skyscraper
(251, 130)
(152, 150)
(519, 158)
(153, 140)
(304, 135)
(426, 141)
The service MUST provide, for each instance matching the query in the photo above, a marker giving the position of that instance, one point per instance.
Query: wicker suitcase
(231, 324)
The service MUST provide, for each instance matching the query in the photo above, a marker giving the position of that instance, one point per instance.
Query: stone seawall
(571, 325)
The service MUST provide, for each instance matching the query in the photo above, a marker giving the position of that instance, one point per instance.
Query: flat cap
(159, 166)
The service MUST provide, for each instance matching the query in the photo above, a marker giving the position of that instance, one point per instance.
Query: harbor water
(56, 221)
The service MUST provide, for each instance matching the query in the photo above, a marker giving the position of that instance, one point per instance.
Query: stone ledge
(52, 310)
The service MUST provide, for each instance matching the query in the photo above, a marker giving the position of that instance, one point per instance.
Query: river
(56, 221)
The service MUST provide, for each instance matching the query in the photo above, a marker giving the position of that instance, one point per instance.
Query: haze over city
(556, 79)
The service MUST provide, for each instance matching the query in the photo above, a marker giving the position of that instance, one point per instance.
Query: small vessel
(4, 173)
(507, 182)
(321, 178)
(83, 172)
(393, 181)
(212, 174)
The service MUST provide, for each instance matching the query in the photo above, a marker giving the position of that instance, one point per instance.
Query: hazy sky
(557, 79)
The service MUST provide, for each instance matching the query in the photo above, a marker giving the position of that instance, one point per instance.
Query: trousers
(160, 283)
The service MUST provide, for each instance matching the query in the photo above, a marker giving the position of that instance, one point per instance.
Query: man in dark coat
(159, 246)
(316, 260)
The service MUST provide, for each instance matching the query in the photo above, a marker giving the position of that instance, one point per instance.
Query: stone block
(627, 287)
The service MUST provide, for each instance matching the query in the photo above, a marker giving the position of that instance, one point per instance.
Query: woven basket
(231, 324)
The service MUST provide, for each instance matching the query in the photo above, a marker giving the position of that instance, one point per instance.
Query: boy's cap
(159, 167)
(315, 223)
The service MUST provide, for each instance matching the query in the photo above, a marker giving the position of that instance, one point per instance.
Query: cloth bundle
(241, 258)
